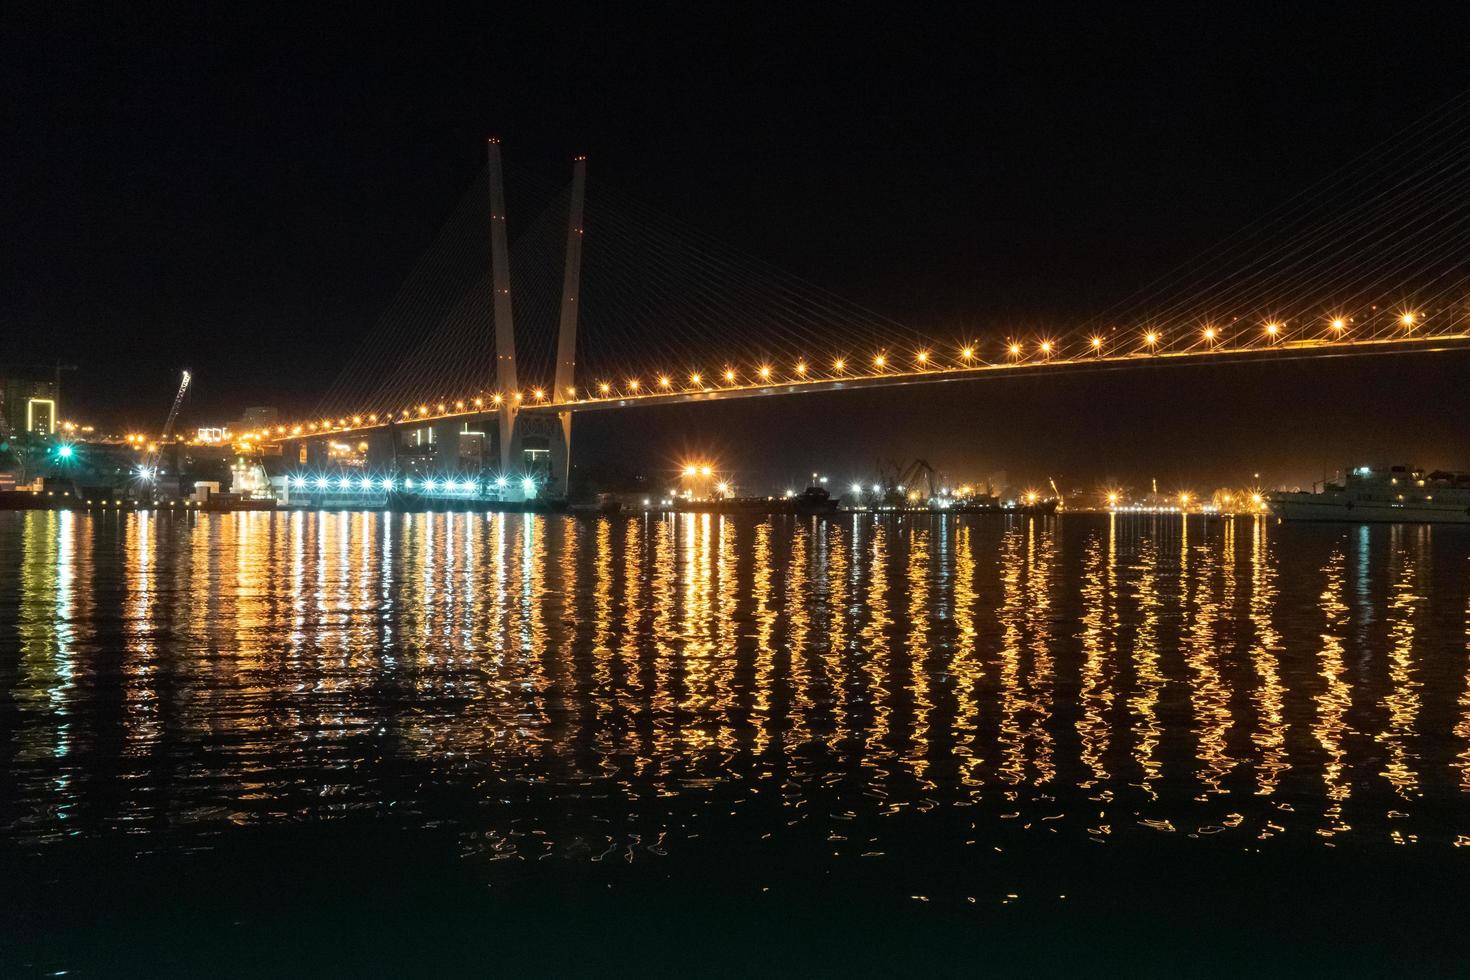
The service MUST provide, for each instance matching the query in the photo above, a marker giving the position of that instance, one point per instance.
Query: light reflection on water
(582, 688)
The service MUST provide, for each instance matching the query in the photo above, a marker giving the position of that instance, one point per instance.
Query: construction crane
(149, 470)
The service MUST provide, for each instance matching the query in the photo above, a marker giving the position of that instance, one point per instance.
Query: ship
(814, 500)
(1394, 494)
(994, 505)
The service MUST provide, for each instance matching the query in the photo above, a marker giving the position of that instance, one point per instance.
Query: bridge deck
(1033, 366)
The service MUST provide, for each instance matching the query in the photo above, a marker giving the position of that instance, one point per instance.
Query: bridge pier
(318, 453)
(446, 446)
(538, 451)
(382, 453)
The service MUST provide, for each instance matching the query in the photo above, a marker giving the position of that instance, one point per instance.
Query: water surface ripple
(852, 690)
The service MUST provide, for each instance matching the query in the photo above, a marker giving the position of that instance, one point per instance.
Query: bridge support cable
(1387, 229)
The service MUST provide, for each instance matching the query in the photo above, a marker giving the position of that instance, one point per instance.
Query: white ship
(1397, 494)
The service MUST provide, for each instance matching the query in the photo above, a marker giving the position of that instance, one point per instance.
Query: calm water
(458, 743)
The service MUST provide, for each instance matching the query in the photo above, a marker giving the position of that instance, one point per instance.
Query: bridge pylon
(566, 342)
(530, 447)
(505, 334)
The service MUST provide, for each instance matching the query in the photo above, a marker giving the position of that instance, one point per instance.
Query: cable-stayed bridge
(478, 367)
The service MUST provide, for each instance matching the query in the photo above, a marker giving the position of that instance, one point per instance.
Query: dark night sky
(239, 189)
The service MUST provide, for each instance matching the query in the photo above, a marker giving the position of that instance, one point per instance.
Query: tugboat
(1398, 494)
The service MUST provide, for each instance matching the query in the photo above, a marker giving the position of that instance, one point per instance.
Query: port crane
(149, 470)
(899, 480)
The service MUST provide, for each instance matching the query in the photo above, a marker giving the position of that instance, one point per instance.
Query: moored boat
(1394, 494)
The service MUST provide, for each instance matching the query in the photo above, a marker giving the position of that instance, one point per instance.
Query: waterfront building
(28, 405)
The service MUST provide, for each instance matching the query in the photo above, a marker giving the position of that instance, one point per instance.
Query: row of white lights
(385, 484)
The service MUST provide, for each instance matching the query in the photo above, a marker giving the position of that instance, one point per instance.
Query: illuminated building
(28, 405)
